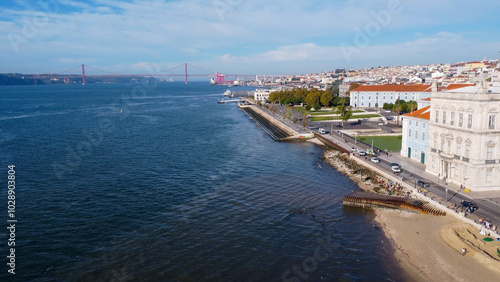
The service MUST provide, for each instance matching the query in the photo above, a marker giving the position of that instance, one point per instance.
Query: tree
(305, 121)
(344, 110)
(398, 107)
(412, 106)
(352, 87)
(288, 113)
(314, 97)
(317, 107)
(327, 98)
(307, 108)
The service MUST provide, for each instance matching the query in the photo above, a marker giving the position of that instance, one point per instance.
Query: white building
(263, 94)
(465, 135)
(367, 96)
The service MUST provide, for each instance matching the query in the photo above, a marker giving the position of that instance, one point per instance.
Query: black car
(422, 183)
(473, 206)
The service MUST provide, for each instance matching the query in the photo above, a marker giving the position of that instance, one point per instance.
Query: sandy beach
(428, 247)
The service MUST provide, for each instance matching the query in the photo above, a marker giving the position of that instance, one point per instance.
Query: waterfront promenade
(438, 193)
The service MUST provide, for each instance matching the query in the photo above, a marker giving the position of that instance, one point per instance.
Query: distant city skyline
(243, 37)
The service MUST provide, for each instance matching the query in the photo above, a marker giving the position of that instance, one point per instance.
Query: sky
(242, 37)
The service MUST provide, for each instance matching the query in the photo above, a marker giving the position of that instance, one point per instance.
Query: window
(491, 122)
(409, 122)
(406, 96)
(423, 135)
(460, 119)
(442, 144)
(363, 96)
(384, 96)
(449, 147)
(423, 125)
(489, 174)
(444, 117)
(459, 148)
(416, 134)
(409, 132)
(469, 122)
(392, 97)
(416, 153)
(437, 116)
(452, 118)
(370, 97)
(467, 150)
(435, 141)
(489, 153)
(416, 123)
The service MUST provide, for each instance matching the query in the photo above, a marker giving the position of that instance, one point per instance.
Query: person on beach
(464, 251)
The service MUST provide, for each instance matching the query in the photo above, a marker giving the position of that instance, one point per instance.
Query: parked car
(473, 206)
(322, 131)
(395, 165)
(396, 169)
(362, 153)
(422, 183)
(375, 160)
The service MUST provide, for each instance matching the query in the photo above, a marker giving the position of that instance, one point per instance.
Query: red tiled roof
(393, 88)
(457, 86)
(427, 99)
(422, 113)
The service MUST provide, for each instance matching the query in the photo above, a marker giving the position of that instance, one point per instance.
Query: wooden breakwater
(369, 200)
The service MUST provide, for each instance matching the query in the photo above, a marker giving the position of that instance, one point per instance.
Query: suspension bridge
(216, 77)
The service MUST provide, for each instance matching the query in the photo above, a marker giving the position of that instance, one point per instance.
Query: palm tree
(398, 107)
(412, 106)
(344, 111)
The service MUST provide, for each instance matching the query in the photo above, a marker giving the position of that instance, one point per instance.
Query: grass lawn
(337, 118)
(391, 143)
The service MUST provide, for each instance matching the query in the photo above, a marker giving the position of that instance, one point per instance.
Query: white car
(396, 169)
(362, 153)
(375, 160)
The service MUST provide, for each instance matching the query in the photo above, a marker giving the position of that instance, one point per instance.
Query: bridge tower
(83, 74)
(186, 71)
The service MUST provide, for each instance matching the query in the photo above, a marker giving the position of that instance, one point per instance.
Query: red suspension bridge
(217, 78)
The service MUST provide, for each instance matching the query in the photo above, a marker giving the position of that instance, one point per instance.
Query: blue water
(134, 182)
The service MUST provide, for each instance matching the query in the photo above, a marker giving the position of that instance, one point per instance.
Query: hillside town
(453, 129)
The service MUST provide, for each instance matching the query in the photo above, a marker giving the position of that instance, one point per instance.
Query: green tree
(314, 97)
(317, 107)
(307, 107)
(288, 113)
(327, 98)
(412, 106)
(397, 108)
(344, 110)
(305, 121)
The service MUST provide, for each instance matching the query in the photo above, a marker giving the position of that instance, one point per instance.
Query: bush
(317, 107)
(307, 108)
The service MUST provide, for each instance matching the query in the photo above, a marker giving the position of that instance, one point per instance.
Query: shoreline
(425, 247)
(428, 249)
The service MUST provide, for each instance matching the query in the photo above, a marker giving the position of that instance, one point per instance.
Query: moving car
(473, 206)
(322, 131)
(422, 183)
(375, 160)
(362, 153)
(396, 169)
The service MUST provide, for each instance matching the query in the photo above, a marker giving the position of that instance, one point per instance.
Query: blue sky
(243, 37)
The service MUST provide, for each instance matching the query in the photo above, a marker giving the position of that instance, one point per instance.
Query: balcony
(445, 155)
(465, 159)
(456, 157)
(433, 150)
(490, 161)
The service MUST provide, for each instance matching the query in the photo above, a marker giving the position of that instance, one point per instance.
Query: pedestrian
(464, 251)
